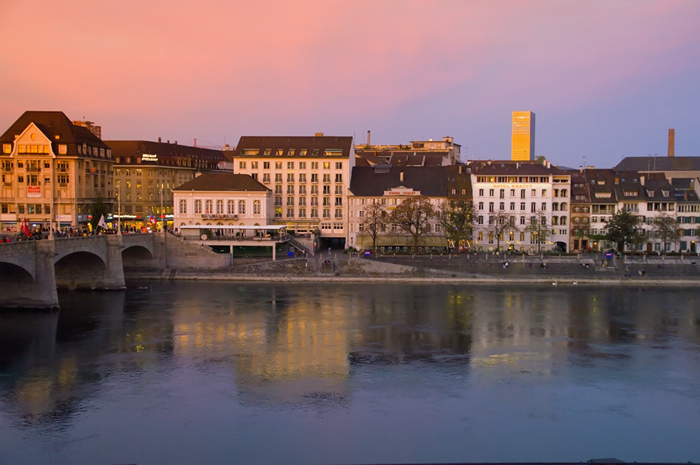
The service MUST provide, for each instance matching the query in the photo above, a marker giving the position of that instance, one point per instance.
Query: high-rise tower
(523, 136)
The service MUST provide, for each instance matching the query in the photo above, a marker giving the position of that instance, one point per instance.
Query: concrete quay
(458, 269)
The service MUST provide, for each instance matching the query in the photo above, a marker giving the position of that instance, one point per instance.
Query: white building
(519, 194)
(309, 178)
(222, 199)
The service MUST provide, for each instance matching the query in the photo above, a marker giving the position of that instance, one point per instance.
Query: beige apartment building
(53, 171)
(146, 172)
(309, 178)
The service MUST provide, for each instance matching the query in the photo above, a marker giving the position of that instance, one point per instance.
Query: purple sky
(606, 78)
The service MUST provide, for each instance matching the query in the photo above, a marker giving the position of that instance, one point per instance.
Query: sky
(605, 78)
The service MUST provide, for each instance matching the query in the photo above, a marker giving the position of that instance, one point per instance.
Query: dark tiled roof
(222, 182)
(340, 146)
(52, 124)
(371, 182)
(164, 151)
(648, 164)
(402, 158)
(505, 167)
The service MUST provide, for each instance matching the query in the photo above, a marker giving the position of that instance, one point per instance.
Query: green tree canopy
(622, 229)
(457, 220)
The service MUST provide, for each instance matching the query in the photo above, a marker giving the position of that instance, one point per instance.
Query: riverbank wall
(456, 270)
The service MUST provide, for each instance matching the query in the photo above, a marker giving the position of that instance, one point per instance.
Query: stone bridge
(31, 271)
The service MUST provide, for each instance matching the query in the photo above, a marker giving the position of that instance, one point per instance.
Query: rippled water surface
(205, 373)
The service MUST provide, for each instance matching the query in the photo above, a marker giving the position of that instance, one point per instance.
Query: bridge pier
(28, 278)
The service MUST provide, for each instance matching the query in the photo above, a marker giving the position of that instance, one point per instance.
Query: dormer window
(650, 193)
(665, 193)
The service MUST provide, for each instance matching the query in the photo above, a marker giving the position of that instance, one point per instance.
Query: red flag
(25, 227)
(152, 220)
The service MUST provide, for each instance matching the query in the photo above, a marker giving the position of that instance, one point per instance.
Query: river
(259, 373)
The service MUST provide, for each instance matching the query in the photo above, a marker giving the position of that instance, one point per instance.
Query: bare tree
(500, 222)
(374, 222)
(539, 228)
(666, 228)
(412, 216)
(457, 220)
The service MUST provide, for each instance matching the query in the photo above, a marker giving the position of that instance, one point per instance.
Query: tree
(499, 223)
(412, 216)
(97, 209)
(540, 159)
(666, 228)
(457, 220)
(622, 229)
(539, 229)
(373, 222)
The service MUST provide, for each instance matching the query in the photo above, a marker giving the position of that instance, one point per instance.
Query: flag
(152, 219)
(25, 227)
(102, 223)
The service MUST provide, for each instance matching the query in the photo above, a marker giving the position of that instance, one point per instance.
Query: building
(53, 171)
(222, 199)
(522, 207)
(145, 174)
(418, 153)
(309, 178)
(389, 186)
(523, 136)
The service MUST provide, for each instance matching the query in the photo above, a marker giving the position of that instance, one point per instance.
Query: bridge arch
(80, 270)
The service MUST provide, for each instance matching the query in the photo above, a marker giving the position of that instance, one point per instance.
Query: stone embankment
(338, 267)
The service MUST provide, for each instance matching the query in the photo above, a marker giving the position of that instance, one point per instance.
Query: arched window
(555, 221)
(480, 236)
(564, 206)
(241, 207)
(562, 221)
(183, 206)
(219, 207)
(555, 206)
(209, 205)
(256, 207)
(230, 207)
(564, 193)
(198, 207)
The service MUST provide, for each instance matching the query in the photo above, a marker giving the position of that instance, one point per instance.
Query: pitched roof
(163, 150)
(518, 168)
(649, 164)
(223, 182)
(57, 127)
(373, 182)
(402, 158)
(338, 146)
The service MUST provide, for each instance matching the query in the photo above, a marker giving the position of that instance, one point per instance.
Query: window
(219, 207)
(522, 193)
(290, 189)
(339, 165)
(254, 165)
(339, 177)
(266, 165)
(512, 206)
(302, 213)
(533, 207)
(241, 207)
(338, 212)
(290, 177)
(266, 177)
(302, 177)
(502, 194)
(290, 201)
(338, 190)
(278, 165)
(314, 177)
(302, 166)
(302, 189)
(491, 192)
(183, 206)
(326, 178)
(314, 165)
(326, 165)
(302, 201)
(197, 207)
(481, 192)
(278, 189)
(544, 206)
(242, 165)
(502, 206)
(290, 165)
(230, 207)
(278, 177)
(290, 213)
(210, 206)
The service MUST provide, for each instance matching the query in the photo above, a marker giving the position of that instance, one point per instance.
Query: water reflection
(323, 346)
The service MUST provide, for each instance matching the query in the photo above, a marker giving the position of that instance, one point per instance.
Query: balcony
(211, 216)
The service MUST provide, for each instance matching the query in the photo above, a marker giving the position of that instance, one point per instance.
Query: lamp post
(119, 212)
(162, 216)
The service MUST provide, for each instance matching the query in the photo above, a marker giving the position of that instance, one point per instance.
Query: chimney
(460, 169)
(318, 134)
(159, 140)
(401, 176)
(641, 180)
(368, 138)
(671, 142)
